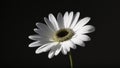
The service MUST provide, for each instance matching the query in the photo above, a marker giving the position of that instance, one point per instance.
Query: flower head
(61, 34)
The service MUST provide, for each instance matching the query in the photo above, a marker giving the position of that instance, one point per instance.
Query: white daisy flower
(61, 34)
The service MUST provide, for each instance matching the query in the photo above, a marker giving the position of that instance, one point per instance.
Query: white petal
(49, 24)
(81, 23)
(41, 26)
(41, 39)
(45, 47)
(69, 44)
(75, 20)
(44, 28)
(64, 51)
(72, 45)
(58, 50)
(70, 19)
(86, 29)
(83, 44)
(66, 45)
(53, 21)
(34, 37)
(78, 41)
(60, 20)
(65, 18)
(41, 33)
(54, 51)
(84, 38)
(51, 54)
(35, 44)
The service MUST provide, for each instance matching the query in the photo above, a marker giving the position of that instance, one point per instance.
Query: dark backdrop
(18, 22)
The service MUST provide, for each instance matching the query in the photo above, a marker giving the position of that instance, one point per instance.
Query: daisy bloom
(61, 34)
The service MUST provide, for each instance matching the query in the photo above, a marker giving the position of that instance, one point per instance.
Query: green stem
(71, 62)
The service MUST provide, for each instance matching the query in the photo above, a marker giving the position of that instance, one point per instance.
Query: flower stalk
(71, 61)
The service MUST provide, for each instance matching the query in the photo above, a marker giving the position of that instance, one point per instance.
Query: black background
(18, 22)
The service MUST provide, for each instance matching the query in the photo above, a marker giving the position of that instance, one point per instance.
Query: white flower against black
(61, 34)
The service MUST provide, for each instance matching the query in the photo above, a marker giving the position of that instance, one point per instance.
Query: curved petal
(81, 23)
(65, 18)
(41, 33)
(49, 24)
(58, 50)
(75, 20)
(66, 45)
(73, 45)
(44, 28)
(84, 37)
(60, 20)
(39, 38)
(42, 39)
(45, 47)
(53, 21)
(78, 41)
(34, 37)
(54, 51)
(86, 29)
(51, 54)
(35, 44)
(64, 51)
(69, 44)
(70, 19)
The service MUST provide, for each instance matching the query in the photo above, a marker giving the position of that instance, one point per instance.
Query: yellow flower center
(63, 35)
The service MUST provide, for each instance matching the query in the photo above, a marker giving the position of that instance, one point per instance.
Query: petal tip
(88, 18)
(32, 45)
(82, 45)
(49, 57)
(78, 12)
(37, 23)
(93, 29)
(71, 12)
(50, 14)
(35, 29)
(29, 45)
(44, 18)
(29, 37)
(37, 52)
